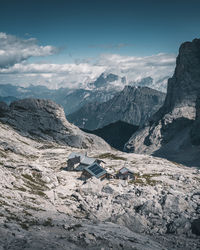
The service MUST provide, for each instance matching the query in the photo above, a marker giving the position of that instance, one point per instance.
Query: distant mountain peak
(106, 79)
(133, 105)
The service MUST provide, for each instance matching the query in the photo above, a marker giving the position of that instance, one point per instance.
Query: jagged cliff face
(45, 120)
(169, 131)
(133, 105)
(195, 132)
(184, 86)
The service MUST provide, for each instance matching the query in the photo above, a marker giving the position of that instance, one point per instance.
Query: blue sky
(84, 30)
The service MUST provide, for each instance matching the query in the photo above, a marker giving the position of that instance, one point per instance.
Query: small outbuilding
(94, 170)
(73, 160)
(125, 174)
(79, 161)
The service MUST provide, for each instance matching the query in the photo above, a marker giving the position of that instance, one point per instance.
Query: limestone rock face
(43, 119)
(195, 132)
(174, 128)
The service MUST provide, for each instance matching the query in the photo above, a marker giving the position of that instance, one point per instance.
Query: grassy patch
(23, 142)
(110, 156)
(35, 178)
(35, 184)
(2, 154)
(22, 189)
(177, 164)
(133, 162)
(145, 179)
(26, 206)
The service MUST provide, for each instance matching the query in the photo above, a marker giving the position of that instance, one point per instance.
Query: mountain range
(100, 90)
(133, 105)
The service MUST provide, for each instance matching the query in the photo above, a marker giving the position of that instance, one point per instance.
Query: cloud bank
(15, 50)
(15, 68)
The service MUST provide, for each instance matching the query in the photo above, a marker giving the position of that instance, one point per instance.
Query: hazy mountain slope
(115, 134)
(74, 100)
(170, 130)
(8, 99)
(70, 99)
(133, 105)
(160, 84)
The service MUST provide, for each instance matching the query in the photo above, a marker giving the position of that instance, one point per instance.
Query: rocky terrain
(173, 132)
(43, 206)
(133, 105)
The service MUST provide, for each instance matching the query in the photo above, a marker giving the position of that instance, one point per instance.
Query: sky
(62, 43)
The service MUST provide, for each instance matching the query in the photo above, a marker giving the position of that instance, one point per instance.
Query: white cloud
(15, 50)
(52, 75)
(134, 68)
(15, 69)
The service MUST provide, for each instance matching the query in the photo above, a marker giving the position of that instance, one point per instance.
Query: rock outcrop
(43, 119)
(195, 131)
(174, 128)
(133, 105)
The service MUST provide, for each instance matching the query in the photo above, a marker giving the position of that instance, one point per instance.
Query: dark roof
(80, 167)
(83, 158)
(76, 154)
(124, 170)
(95, 170)
(87, 160)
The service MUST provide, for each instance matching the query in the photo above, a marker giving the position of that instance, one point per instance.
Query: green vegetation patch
(110, 156)
(2, 154)
(35, 184)
(145, 179)
(22, 189)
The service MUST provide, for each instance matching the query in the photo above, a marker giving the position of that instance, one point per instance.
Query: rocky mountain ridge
(45, 120)
(173, 129)
(133, 105)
